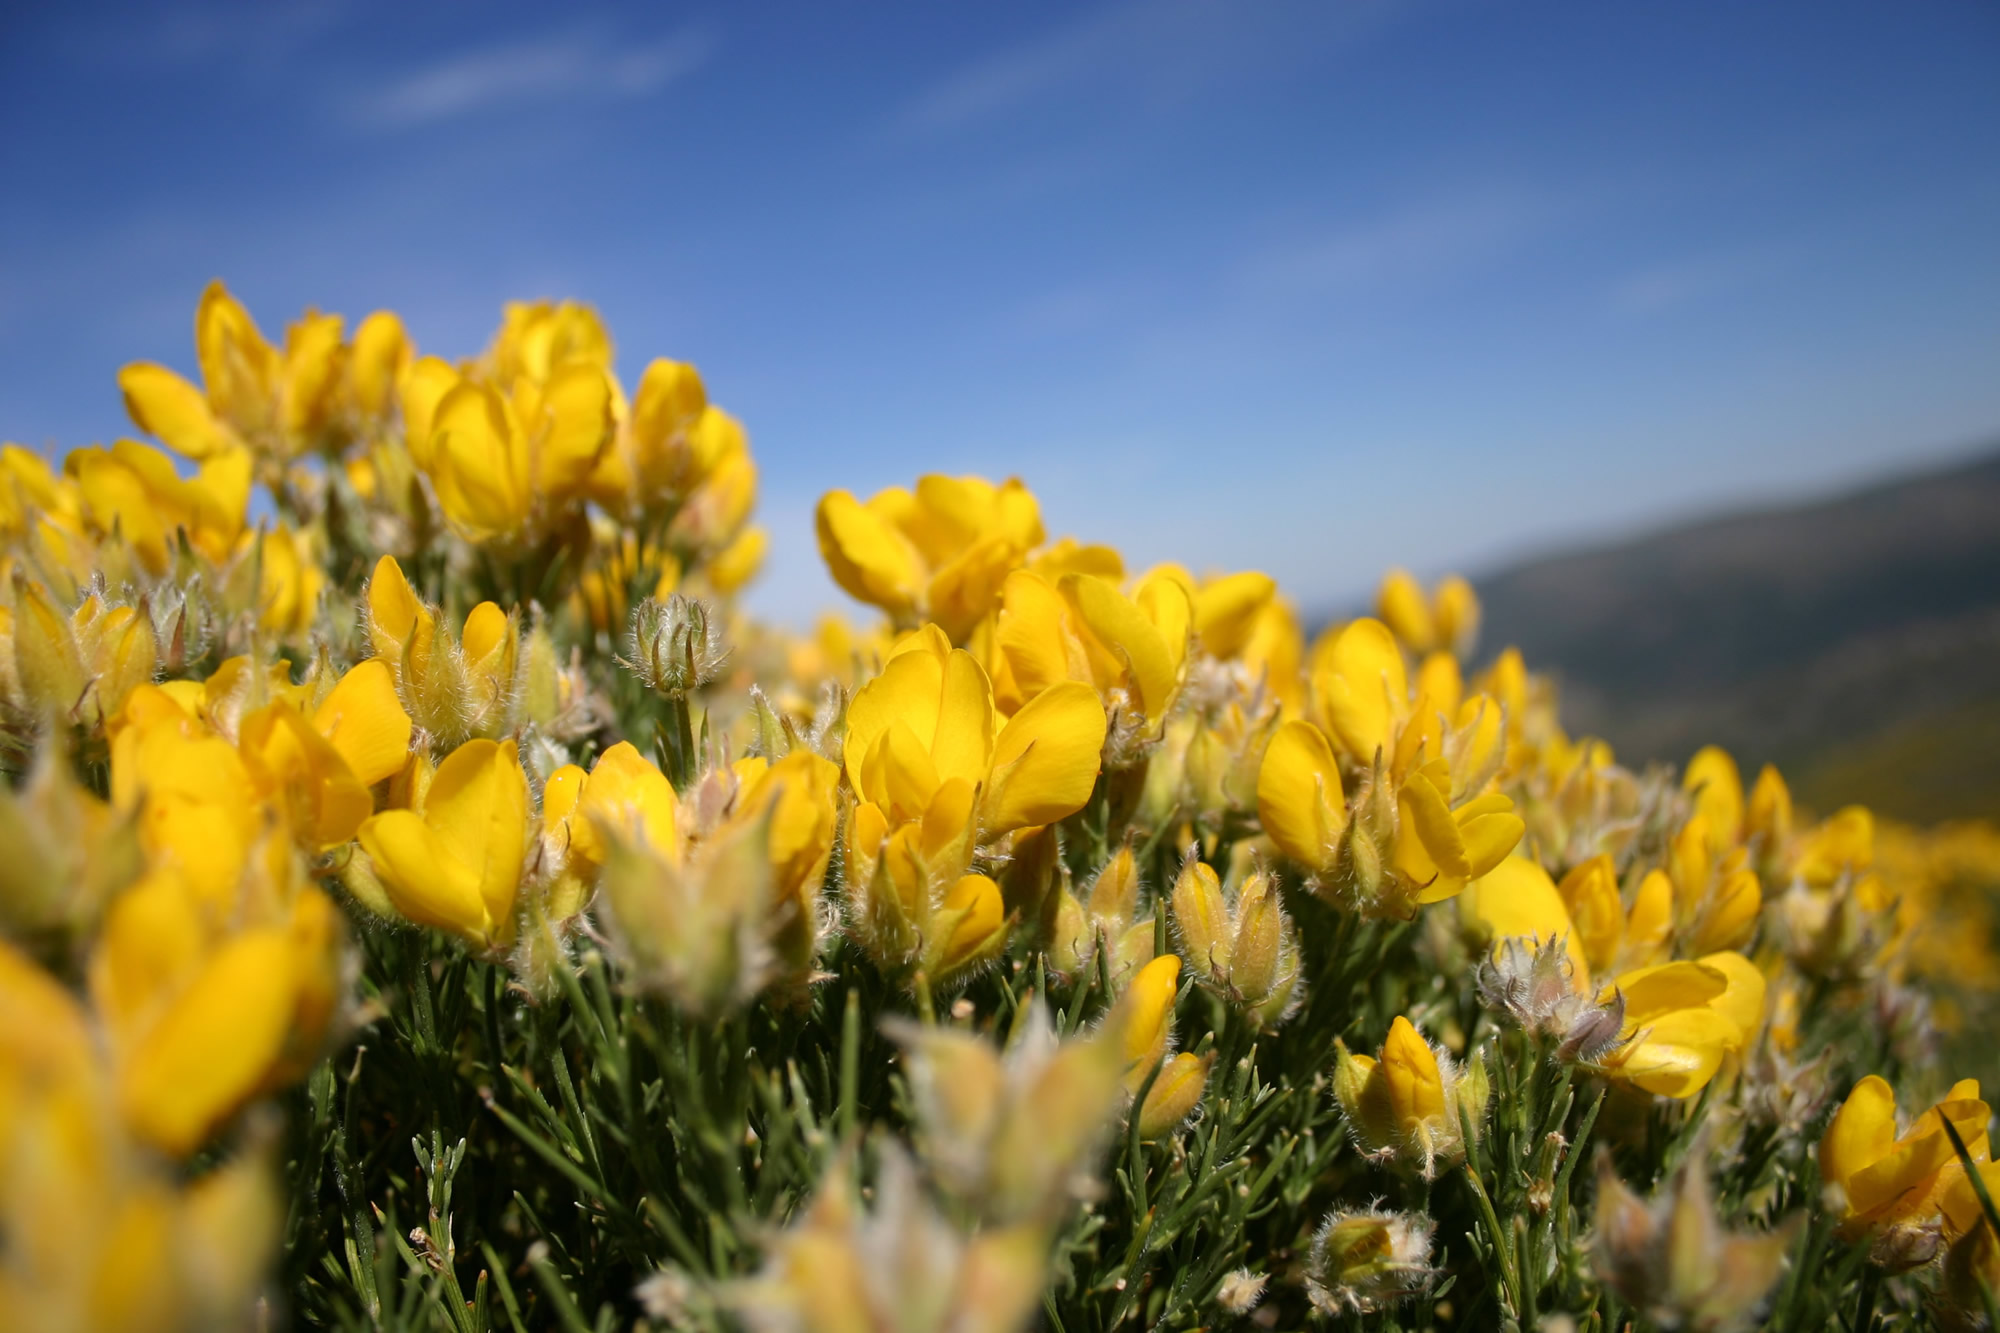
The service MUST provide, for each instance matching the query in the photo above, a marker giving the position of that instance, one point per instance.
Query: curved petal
(1045, 760)
(212, 1048)
(173, 411)
(424, 881)
(364, 720)
(1299, 797)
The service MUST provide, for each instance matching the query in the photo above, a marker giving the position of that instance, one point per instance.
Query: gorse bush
(434, 905)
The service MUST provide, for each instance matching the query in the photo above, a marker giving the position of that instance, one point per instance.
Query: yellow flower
(379, 359)
(924, 730)
(289, 582)
(253, 396)
(652, 461)
(1421, 827)
(505, 466)
(538, 338)
(939, 553)
(1886, 1178)
(453, 687)
(1681, 1020)
(201, 1023)
(457, 864)
(135, 491)
(1447, 620)
(1131, 650)
(1411, 1102)
(319, 772)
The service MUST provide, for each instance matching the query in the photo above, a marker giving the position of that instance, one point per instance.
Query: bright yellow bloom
(379, 359)
(319, 772)
(1888, 1179)
(456, 865)
(1682, 1019)
(925, 730)
(938, 553)
(134, 490)
(1131, 650)
(1447, 620)
(253, 396)
(1410, 1102)
(654, 459)
(202, 1023)
(1425, 821)
(539, 338)
(507, 465)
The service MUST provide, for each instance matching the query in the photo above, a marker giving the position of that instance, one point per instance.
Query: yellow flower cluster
(477, 668)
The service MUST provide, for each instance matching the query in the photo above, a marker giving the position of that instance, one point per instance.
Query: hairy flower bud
(676, 645)
(1364, 1261)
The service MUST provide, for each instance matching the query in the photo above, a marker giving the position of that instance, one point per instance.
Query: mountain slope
(1854, 641)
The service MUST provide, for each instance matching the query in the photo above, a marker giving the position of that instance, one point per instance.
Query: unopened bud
(1255, 961)
(1174, 1094)
(1364, 1261)
(676, 645)
(1202, 917)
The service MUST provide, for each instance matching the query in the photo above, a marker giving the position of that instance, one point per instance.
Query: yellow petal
(379, 356)
(478, 805)
(1402, 605)
(430, 379)
(1675, 1054)
(173, 411)
(1299, 796)
(1032, 634)
(577, 403)
(908, 691)
(962, 746)
(1517, 897)
(427, 883)
(978, 899)
(868, 557)
(1718, 794)
(1666, 988)
(365, 721)
(1362, 688)
(1144, 659)
(1862, 1132)
(1410, 1068)
(1742, 999)
(626, 794)
(1045, 760)
(211, 1050)
(479, 462)
(1226, 611)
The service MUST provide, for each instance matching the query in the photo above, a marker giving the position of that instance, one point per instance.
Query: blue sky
(1313, 287)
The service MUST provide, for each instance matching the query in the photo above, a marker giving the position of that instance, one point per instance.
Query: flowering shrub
(430, 903)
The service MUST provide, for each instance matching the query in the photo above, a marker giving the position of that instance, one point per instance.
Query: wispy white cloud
(1154, 49)
(554, 66)
(1661, 287)
(1412, 244)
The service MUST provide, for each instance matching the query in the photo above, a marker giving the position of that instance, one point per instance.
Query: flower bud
(676, 645)
(1203, 919)
(1174, 1094)
(1363, 1261)
(1146, 1015)
(1670, 1257)
(1256, 960)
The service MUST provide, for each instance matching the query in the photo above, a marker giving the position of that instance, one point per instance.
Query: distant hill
(1854, 641)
